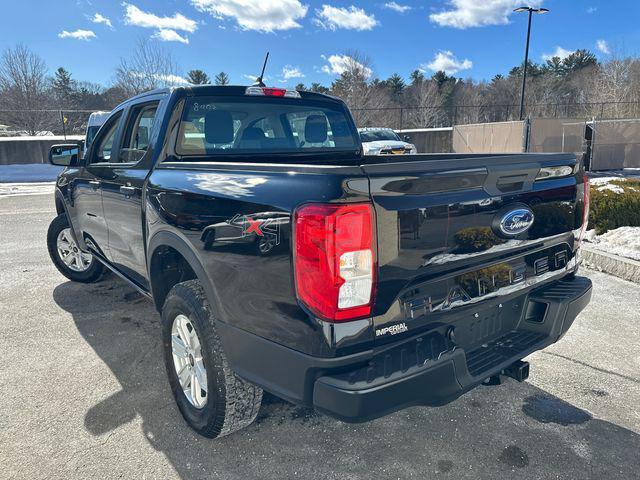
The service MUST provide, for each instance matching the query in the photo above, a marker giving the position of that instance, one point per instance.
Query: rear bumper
(417, 371)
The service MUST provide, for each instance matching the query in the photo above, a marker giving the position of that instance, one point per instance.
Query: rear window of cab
(258, 125)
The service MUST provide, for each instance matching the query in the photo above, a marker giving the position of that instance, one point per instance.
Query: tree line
(576, 86)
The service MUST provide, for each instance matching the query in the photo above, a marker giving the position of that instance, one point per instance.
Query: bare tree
(427, 104)
(365, 100)
(149, 67)
(615, 82)
(24, 89)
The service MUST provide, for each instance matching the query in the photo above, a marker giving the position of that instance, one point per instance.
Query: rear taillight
(585, 212)
(335, 259)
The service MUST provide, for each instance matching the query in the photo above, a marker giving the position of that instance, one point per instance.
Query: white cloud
(101, 19)
(352, 18)
(85, 35)
(253, 78)
(259, 15)
(168, 79)
(559, 52)
(592, 9)
(173, 79)
(603, 47)
(167, 35)
(397, 7)
(289, 72)
(135, 16)
(445, 61)
(338, 64)
(477, 13)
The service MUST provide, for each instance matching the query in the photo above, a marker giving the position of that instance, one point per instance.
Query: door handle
(94, 184)
(127, 191)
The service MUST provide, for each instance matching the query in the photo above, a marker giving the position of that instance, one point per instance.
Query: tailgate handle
(511, 183)
(509, 179)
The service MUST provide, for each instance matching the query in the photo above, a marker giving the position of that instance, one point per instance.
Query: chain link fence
(43, 122)
(74, 122)
(409, 117)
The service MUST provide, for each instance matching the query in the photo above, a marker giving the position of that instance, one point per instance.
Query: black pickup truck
(282, 259)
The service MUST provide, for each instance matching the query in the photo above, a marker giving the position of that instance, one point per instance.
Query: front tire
(70, 261)
(212, 399)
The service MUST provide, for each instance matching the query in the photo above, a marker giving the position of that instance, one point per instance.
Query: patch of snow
(623, 241)
(32, 172)
(590, 236)
(49, 138)
(619, 174)
(603, 180)
(603, 184)
(612, 188)
(16, 189)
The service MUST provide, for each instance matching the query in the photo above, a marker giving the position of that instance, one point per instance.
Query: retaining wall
(23, 150)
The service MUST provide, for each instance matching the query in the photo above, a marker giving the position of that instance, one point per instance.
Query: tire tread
(239, 401)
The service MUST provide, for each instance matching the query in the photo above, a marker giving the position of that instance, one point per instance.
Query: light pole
(526, 52)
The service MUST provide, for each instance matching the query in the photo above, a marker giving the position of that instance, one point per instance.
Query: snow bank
(623, 241)
(15, 189)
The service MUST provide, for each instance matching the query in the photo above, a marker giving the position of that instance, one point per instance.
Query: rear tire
(212, 399)
(74, 264)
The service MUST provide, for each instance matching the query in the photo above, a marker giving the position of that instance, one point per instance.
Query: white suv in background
(384, 141)
(96, 119)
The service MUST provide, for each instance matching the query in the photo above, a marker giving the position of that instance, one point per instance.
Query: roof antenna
(259, 80)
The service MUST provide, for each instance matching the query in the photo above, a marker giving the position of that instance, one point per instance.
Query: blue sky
(308, 38)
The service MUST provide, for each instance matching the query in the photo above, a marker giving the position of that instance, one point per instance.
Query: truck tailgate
(441, 246)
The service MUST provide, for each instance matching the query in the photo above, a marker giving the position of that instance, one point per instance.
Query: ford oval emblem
(517, 221)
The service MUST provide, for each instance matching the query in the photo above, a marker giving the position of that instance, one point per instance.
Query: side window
(103, 149)
(138, 132)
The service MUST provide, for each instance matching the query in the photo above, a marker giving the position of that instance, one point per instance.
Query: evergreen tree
(417, 77)
(578, 60)
(555, 66)
(396, 84)
(533, 70)
(63, 85)
(221, 79)
(441, 78)
(319, 88)
(198, 77)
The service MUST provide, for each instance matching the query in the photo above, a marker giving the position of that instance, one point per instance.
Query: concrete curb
(624, 268)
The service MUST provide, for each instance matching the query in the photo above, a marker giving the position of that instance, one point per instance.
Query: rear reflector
(271, 92)
(585, 211)
(335, 260)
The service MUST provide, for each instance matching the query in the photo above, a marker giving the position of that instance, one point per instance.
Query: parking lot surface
(84, 395)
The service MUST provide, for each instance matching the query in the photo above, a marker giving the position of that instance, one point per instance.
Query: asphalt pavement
(83, 395)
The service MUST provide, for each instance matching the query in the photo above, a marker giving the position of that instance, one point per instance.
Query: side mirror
(407, 138)
(64, 155)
